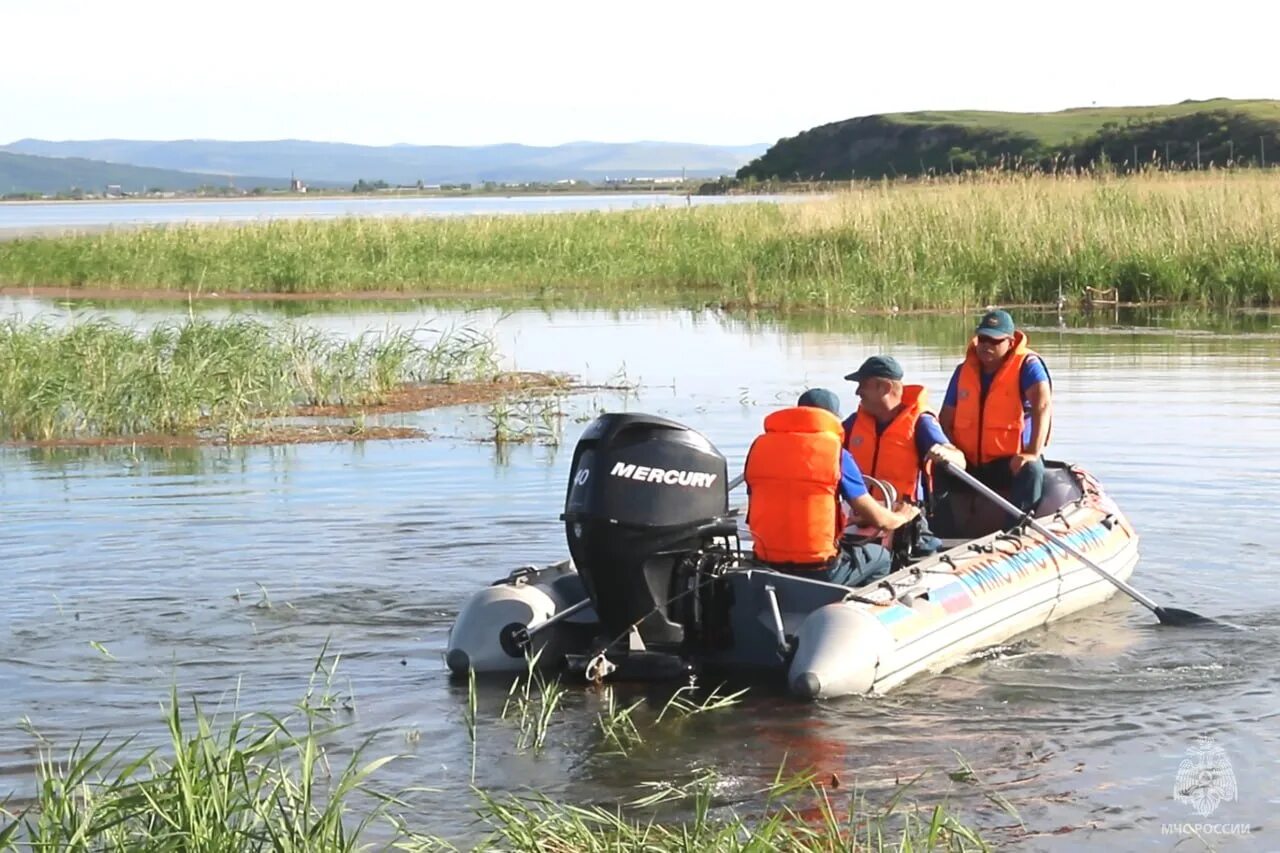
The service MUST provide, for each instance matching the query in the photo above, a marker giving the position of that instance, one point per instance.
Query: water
(45, 216)
(224, 572)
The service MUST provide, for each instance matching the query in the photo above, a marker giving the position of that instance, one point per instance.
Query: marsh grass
(1206, 237)
(526, 419)
(96, 378)
(798, 814)
(259, 783)
(532, 701)
(618, 725)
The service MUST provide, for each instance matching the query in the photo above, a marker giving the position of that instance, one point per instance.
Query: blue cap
(820, 398)
(877, 367)
(995, 324)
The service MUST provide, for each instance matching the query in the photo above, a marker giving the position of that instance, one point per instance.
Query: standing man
(998, 410)
(798, 477)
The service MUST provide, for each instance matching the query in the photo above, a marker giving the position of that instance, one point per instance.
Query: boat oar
(1166, 615)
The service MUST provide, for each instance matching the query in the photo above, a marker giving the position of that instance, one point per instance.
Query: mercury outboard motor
(644, 493)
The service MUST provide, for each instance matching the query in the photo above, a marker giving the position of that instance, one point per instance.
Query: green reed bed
(1212, 238)
(96, 378)
(260, 782)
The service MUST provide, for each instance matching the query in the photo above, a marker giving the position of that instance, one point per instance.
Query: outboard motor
(644, 494)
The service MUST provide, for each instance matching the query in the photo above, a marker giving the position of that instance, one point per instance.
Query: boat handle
(781, 633)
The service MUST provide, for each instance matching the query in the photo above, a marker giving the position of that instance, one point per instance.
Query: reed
(96, 378)
(1209, 237)
(260, 782)
(798, 814)
(532, 701)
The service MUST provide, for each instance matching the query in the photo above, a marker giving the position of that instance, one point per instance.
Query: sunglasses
(984, 340)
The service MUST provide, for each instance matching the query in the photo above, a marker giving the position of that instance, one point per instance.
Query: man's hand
(940, 453)
(1016, 462)
(906, 511)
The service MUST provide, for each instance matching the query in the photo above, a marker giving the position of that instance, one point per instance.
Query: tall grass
(263, 783)
(1212, 238)
(97, 378)
(259, 782)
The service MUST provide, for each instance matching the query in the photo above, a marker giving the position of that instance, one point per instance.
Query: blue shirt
(1033, 372)
(851, 483)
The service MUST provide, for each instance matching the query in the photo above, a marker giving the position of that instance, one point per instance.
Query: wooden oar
(1166, 615)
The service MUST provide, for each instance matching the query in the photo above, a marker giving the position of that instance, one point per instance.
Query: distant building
(113, 191)
(296, 185)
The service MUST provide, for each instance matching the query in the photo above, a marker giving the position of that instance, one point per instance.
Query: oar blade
(1179, 617)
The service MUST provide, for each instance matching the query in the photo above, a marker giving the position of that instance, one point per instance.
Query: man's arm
(872, 513)
(932, 444)
(1041, 400)
(866, 509)
(947, 417)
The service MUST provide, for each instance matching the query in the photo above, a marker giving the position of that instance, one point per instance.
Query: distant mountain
(407, 164)
(25, 173)
(1181, 135)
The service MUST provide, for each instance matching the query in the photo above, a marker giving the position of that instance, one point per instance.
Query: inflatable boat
(661, 581)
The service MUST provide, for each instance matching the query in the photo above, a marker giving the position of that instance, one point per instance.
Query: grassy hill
(893, 144)
(342, 163)
(1061, 128)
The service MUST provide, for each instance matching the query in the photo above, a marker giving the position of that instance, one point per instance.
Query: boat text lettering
(668, 476)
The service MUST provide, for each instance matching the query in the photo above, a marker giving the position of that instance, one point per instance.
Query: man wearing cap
(892, 435)
(798, 477)
(998, 410)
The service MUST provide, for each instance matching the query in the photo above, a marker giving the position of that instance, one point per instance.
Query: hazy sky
(465, 72)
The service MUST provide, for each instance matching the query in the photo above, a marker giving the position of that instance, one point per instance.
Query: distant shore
(580, 188)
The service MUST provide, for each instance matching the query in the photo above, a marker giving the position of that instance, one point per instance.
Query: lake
(225, 571)
(17, 218)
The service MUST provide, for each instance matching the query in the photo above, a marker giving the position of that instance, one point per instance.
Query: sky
(476, 72)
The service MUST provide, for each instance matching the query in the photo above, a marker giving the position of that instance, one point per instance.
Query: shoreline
(496, 299)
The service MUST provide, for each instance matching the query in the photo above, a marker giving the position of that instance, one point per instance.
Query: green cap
(821, 398)
(995, 324)
(877, 367)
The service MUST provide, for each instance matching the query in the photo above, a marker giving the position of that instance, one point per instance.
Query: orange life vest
(793, 480)
(991, 427)
(890, 455)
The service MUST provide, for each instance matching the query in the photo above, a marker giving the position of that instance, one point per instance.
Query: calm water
(38, 216)
(226, 570)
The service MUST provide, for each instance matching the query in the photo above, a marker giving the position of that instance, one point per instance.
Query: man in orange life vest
(998, 410)
(797, 474)
(892, 435)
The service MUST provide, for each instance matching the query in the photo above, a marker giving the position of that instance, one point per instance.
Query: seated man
(998, 410)
(797, 474)
(894, 437)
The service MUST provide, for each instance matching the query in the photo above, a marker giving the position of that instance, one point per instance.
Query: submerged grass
(798, 814)
(97, 378)
(1209, 237)
(260, 782)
